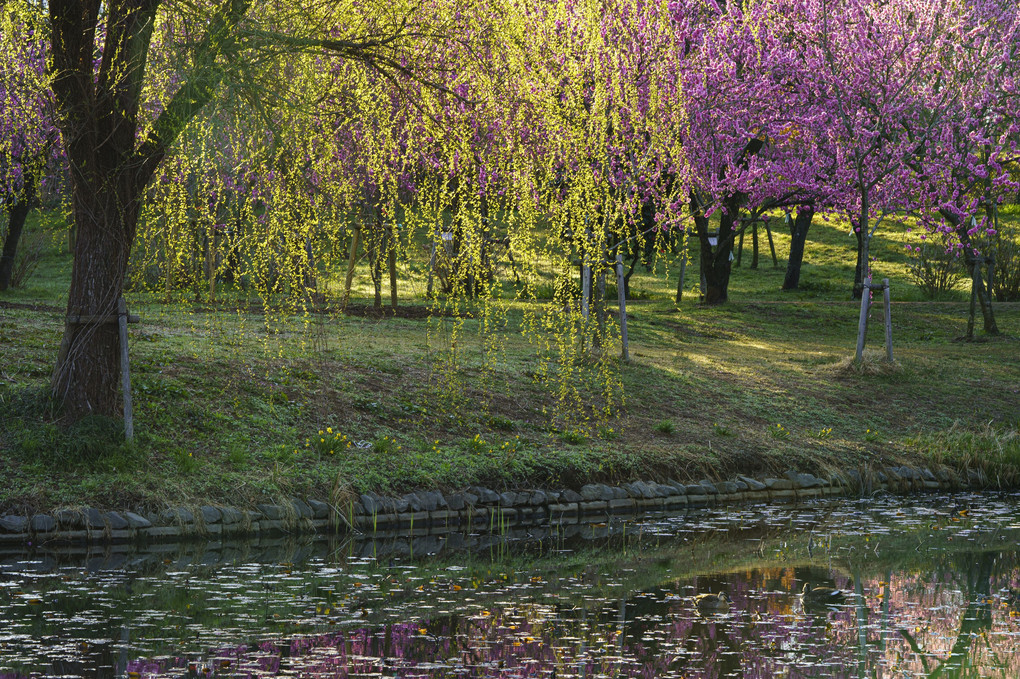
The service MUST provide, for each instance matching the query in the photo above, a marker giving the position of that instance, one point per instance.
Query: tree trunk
(86, 378)
(973, 263)
(17, 215)
(798, 238)
(715, 263)
(863, 267)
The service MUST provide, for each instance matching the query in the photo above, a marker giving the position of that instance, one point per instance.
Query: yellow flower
(329, 430)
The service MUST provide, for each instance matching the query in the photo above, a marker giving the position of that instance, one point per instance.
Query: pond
(931, 588)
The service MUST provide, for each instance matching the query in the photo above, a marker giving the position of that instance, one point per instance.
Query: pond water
(931, 589)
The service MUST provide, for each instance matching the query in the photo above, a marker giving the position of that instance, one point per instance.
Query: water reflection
(930, 592)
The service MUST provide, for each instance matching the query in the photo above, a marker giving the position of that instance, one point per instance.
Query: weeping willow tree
(249, 142)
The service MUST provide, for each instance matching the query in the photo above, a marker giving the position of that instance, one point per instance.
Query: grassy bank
(235, 404)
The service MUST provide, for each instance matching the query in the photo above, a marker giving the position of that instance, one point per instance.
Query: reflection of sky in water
(934, 588)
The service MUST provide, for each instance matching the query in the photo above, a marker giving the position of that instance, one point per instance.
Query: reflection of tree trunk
(798, 238)
(861, 611)
(977, 617)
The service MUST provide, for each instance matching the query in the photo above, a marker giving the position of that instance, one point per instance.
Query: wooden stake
(393, 276)
(888, 320)
(351, 259)
(585, 290)
(432, 262)
(622, 295)
(862, 323)
(125, 376)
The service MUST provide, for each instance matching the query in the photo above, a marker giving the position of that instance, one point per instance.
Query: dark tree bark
(18, 208)
(798, 238)
(715, 265)
(715, 262)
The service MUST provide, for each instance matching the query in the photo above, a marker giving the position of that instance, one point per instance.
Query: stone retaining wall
(475, 509)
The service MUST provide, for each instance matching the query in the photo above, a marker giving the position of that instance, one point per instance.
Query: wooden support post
(432, 264)
(888, 320)
(125, 375)
(585, 290)
(210, 268)
(351, 259)
(622, 295)
(393, 267)
(212, 264)
(862, 323)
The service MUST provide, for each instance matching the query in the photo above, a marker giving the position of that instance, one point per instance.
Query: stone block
(563, 508)
(14, 524)
(230, 515)
(302, 508)
(162, 532)
(779, 484)
(43, 523)
(179, 515)
(93, 519)
(752, 484)
(570, 496)
(622, 506)
(709, 486)
(116, 522)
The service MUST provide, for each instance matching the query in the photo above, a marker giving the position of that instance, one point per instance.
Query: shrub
(935, 266)
(665, 427)
(26, 260)
(1006, 275)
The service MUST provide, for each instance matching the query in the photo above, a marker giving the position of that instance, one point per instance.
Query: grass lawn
(242, 406)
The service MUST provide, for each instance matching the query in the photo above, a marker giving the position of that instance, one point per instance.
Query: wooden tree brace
(121, 318)
(84, 319)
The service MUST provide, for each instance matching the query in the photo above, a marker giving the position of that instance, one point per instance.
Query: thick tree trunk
(715, 262)
(17, 214)
(798, 238)
(86, 379)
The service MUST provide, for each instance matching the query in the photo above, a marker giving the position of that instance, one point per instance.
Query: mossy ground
(235, 405)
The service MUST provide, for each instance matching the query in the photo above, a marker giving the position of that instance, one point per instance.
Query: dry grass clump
(872, 363)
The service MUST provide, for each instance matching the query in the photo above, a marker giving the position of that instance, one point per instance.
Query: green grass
(229, 403)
